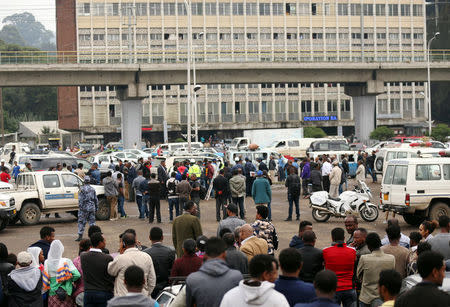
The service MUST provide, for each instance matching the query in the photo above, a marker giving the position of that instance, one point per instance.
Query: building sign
(319, 118)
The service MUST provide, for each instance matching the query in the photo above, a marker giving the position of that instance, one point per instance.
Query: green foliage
(313, 132)
(9, 34)
(440, 132)
(382, 133)
(179, 140)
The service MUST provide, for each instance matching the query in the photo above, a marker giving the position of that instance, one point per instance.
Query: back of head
(189, 205)
(189, 246)
(415, 236)
(156, 234)
(229, 239)
(373, 241)
(215, 247)
(134, 277)
(391, 222)
(428, 261)
(46, 231)
(96, 239)
(129, 239)
(263, 211)
(153, 175)
(290, 260)
(443, 221)
(337, 234)
(93, 229)
(325, 282)
(3, 252)
(201, 243)
(303, 225)
(391, 280)
(223, 231)
(309, 237)
(84, 245)
(260, 264)
(423, 247)
(393, 232)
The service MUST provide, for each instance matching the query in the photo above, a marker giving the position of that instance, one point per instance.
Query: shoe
(80, 237)
(297, 218)
(150, 222)
(159, 222)
(124, 217)
(288, 219)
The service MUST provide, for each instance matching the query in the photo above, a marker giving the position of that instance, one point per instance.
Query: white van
(417, 188)
(264, 154)
(293, 147)
(169, 148)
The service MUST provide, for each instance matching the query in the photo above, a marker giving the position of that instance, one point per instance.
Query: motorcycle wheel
(320, 216)
(369, 212)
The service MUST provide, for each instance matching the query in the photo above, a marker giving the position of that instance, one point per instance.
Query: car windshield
(234, 143)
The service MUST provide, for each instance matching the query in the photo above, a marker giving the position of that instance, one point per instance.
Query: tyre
(438, 209)
(369, 212)
(103, 212)
(413, 219)
(320, 216)
(3, 224)
(30, 214)
(379, 165)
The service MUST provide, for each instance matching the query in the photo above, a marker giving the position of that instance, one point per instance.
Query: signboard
(319, 118)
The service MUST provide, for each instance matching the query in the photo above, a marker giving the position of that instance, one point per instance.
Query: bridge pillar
(364, 106)
(131, 97)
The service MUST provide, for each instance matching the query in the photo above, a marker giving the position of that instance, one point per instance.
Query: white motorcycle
(355, 202)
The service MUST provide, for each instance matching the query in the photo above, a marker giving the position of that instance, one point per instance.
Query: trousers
(239, 202)
(83, 218)
(220, 205)
(112, 201)
(153, 205)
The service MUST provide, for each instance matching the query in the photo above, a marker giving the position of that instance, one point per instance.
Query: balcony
(293, 116)
(280, 116)
(213, 118)
(158, 120)
(267, 117)
(115, 121)
(227, 118)
(240, 118)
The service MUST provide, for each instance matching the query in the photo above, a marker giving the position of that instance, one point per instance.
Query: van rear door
(394, 183)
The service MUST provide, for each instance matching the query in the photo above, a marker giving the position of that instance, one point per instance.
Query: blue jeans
(346, 297)
(96, 298)
(120, 201)
(173, 202)
(145, 199)
(373, 174)
(239, 202)
(140, 207)
(375, 303)
(293, 199)
(270, 211)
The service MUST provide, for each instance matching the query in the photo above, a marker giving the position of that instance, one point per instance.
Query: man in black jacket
(262, 166)
(163, 258)
(370, 162)
(426, 293)
(294, 190)
(235, 259)
(162, 178)
(154, 192)
(220, 185)
(312, 257)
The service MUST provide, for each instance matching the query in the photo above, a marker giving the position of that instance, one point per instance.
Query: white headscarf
(54, 258)
(35, 252)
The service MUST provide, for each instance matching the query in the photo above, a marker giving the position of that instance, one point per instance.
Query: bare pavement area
(17, 238)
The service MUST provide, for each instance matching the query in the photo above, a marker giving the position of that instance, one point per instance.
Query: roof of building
(34, 128)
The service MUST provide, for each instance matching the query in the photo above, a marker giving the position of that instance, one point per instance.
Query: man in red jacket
(341, 259)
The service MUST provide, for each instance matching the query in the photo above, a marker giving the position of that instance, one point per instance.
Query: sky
(43, 10)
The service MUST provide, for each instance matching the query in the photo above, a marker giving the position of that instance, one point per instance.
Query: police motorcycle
(356, 202)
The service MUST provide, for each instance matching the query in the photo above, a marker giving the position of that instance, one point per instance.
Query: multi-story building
(113, 31)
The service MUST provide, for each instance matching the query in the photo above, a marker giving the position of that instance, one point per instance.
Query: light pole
(436, 35)
(196, 88)
(187, 3)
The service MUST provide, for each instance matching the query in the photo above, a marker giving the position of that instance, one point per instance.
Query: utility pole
(2, 121)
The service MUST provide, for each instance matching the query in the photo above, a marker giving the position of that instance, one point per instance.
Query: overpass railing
(216, 56)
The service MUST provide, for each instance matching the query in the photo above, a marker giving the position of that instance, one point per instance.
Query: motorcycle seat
(334, 198)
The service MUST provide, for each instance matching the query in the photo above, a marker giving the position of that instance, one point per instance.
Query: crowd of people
(237, 267)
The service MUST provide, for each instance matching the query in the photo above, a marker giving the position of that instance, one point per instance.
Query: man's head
(337, 234)
(304, 226)
(309, 237)
(189, 246)
(152, 175)
(193, 177)
(24, 259)
(414, 238)
(191, 207)
(156, 234)
(389, 284)
(373, 241)
(232, 209)
(229, 239)
(290, 261)
(134, 279)
(47, 233)
(98, 241)
(215, 248)
(444, 223)
(359, 236)
(128, 240)
(93, 229)
(261, 212)
(183, 177)
(393, 233)
(351, 223)
(431, 267)
(325, 284)
(245, 232)
(263, 268)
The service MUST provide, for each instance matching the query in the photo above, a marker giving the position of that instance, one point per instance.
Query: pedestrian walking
(237, 189)
(293, 190)
(172, 196)
(326, 170)
(360, 173)
(261, 191)
(306, 175)
(87, 206)
(121, 195)
(335, 179)
(195, 192)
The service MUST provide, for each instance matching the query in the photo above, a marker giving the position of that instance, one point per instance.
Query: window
(356, 35)
(99, 37)
(417, 10)
(238, 36)
(70, 181)
(127, 9)
(313, 9)
(51, 181)
(304, 9)
(264, 9)
(405, 10)
(211, 36)
(253, 107)
(393, 9)
(390, 156)
(141, 9)
(395, 105)
(342, 9)
(197, 8)
(277, 9)
(113, 37)
(84, 37)
(224, 9)
(418, 36)
(84, 9)
(317, 36)
(293, 143)
(446, 168)
(182, 9)
(291, 9)
(400, 175)
(291, 35)
(355, 9)
(332, 105)
(428, 172)
(251, 9)
(420, 104)
(393, 36)
(264, 36)
(326, 9)
(345, 105)
(224, 36)
(141, 37)
(306, 106)
(388, 175)
(380, 9)
(406, 35)
(368, 9)
(154, 36)
(210, 9)
(98, 9)
(169, 9)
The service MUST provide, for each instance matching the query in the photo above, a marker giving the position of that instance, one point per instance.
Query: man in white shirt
(326, 170)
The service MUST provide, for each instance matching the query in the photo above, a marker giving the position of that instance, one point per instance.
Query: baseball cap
(24, 258)
(259, 173)
(233, 208)
(237, 159)
(192, 160)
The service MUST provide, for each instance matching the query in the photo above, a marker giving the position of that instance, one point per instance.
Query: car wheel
(413, 219)
(438, 209)
(379, 165)
(30, 214)
(3, 224)
(103, 212)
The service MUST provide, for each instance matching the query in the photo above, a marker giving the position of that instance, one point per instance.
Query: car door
(53, 191)
(71, 188)
(398, 187)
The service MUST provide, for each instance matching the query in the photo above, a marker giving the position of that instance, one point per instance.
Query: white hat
(192, 160)
(335, 162)
(237, 159)
(3, 160)
(24, 258)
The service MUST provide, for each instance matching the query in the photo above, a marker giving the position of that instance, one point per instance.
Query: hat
(233, 208)
(24, 258)
(3, 160)
(335, 162)
(258, 159)
(192, 160)
(237, 159)
(87, 179)
(247, 159)
(259, 173)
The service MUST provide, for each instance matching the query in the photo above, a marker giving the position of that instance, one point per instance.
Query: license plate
(385, 197)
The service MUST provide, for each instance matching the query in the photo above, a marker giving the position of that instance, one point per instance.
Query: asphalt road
(18, 237)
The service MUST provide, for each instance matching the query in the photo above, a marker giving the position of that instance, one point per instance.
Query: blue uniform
(88, 205)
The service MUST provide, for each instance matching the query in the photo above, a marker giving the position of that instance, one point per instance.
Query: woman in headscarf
(38, 257)
(58, 277)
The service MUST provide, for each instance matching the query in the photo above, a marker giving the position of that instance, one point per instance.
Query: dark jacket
(24, 288)
(295, 290)
(5, 269)
(316, 177)
(237, 260)
(319, 302)
(272, 165)
(262, 166)
(162, 174)
(220, 184)
(370, 161)
(44, 245)
(154, 188)
(296, 242)
(345, 166)
(249, 167)
(312, 262)
(293, 184)
(423, 294)
(163, 258)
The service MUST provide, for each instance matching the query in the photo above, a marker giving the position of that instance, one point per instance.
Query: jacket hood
(215, 267)
(256, 295)
(296, 242)
(236, 182)
(26, 278)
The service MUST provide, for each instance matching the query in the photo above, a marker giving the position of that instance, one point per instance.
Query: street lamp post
(196, 88)
(187, 3)
(436, 35)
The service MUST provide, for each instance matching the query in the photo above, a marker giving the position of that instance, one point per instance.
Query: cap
(259, 173)
(237, 159)
(192, 160)
(233, 208)
(247, 159)
(87, 179)
(258, 159)
(214, 160)
(3, 160)
(24, 258)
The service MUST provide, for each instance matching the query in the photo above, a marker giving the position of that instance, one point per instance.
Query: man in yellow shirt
(389, 286)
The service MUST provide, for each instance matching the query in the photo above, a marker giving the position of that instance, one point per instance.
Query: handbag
(61, 294)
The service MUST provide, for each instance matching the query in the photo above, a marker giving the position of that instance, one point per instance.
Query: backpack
(171, 187)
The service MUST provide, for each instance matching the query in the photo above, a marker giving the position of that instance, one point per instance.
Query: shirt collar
(95, 250)
(246, 239)
(133, 294)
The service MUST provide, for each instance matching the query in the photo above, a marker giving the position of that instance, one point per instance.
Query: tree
(9, 34)
(440, 132)
(382, 133)
(313, 132)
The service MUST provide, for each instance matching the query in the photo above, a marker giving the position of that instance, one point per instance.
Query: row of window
(394, 105)
(248, 9)
(397, 175)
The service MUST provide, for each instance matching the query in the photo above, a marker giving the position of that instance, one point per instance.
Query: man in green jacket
(261, 191)
(186, 226)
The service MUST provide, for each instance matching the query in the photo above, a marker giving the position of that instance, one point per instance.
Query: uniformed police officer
(88, 205)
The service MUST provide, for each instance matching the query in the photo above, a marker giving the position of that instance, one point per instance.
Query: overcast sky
(43, 10)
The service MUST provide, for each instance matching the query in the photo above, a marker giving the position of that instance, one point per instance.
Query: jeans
(173, 202)
(140, 206)
(305, 186)
(196, 200)
(293, 199)
(120, 201)
(270, 211)
(153, 205)
(373, 174)
(346, 297)
(221, 201)
(145, 199)
(96, 298)
(239, 202)
(375, 303)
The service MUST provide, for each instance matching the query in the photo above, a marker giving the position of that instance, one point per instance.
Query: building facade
(113, 31)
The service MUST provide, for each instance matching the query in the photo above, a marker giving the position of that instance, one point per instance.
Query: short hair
(128, 239)
(415, 236)
(354, 218)
(428, 261)
(373, 241)
(173, 174)
(215, 247)
(259, 264)
(3, 252)
(153, 175)
(46, 231)
(393, 232)
(93, 229)
(80, 165)
(290, 260)
(303, 225)
(337, 234)
(443, 221)
(97, 238)
(235, 172)
(201, 243)
(309, 236)
(263, 211)
(156, 234)
(119, 175)
(109, 174)
(130, 230)
(134, 276)
(189, 246)
(362, 230)
(229, 239)
(85, 245)
(222, 171)
(189, 205)
(430, 225)
(325, 281)
(392, 280)
(223, 231)
(391, 222)
(423, 247)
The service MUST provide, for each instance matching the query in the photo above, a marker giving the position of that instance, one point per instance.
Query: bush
(313, 132)
(382, 133)
(440, 132)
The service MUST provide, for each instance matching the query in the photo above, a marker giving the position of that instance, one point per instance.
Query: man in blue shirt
(15, 170)
(295, 290)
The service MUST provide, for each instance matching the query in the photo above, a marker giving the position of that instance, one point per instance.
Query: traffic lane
(18, 237)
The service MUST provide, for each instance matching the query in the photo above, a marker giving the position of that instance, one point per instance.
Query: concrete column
(131, 122)
(364, 115)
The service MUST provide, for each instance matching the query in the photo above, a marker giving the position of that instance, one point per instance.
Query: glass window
(446, 168)
(390, 155)
(402, 155)
(417, 10)
(277, 9)
(169, 9)
(197, 8)
(182, 9)
(393, 9)
(294, 143)
(342, 9)
(368, 9)
(210, 8)
(405, 10)
(355, 9)
(388, 175)
(400, 175)
(251, 9)
(281, 144)
(51, 181)
(70, 181)
(224, 9)
(264, 9)
(428, 172)
(380, 9)
(326, 9)
(304, 9)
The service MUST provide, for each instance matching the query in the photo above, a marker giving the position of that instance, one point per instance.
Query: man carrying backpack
(294, 189)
